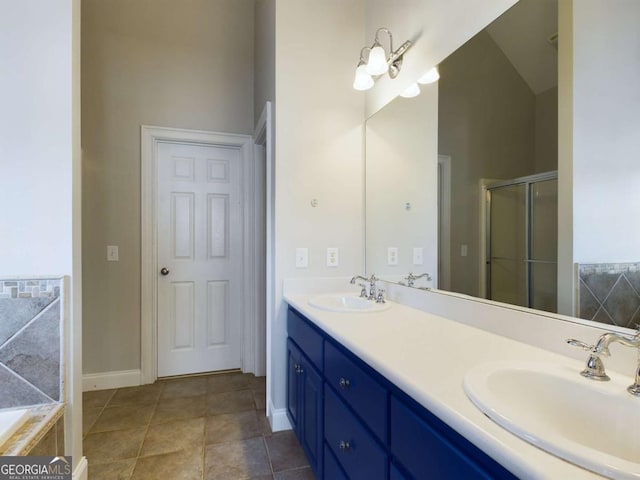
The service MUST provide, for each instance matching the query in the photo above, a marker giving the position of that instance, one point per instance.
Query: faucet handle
(380, 298)
(580, 344)
(594, 368)
(363, 290)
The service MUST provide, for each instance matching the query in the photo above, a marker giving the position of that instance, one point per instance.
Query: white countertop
(427, 357)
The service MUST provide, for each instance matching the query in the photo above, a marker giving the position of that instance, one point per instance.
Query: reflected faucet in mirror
(411, 278)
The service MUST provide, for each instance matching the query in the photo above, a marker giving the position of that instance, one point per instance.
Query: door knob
(164, 271)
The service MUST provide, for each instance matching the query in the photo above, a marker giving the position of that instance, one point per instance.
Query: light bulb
(430, 77)
(411, 91)
(377, 64)
(363, 80)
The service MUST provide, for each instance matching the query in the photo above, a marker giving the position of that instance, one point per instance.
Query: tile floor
(206, 427)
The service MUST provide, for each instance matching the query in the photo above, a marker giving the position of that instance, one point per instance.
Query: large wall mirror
(481, 219)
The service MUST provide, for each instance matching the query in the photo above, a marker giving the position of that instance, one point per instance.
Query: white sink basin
(347, 304)
(593, 424)
(10, 422)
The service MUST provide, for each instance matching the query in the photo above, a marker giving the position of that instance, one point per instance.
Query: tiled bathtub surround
(30, 357)
(610, 293)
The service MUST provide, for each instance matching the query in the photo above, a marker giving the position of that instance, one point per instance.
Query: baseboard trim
(278, 418)
(82, 470)
(106, 380)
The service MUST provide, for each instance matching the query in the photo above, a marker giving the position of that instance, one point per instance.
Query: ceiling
(522, 33)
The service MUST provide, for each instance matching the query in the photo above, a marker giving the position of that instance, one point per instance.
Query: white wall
(40, 164)
(437, 28)
(599, 137)
(35, 137)
(606, 135)
(264, 84)
(319, 150)
(154, 62)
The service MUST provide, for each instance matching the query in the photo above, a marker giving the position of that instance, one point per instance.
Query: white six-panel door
(200, 245)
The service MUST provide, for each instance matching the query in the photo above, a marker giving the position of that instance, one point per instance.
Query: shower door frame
(527, 181)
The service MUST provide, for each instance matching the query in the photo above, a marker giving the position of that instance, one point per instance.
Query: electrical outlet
(392, 256)
(112, 253)
(463, 250)
(332, 257)
(302, 257)
(418, 256)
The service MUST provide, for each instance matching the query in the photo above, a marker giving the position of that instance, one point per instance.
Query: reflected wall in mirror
(401, 208)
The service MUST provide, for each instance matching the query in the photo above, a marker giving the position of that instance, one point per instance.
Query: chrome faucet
(595, 367)
(411, 278)
(372, 284)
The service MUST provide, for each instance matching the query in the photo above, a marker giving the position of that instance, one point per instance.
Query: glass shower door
(507, 245)
(523, 241)
(543, 279)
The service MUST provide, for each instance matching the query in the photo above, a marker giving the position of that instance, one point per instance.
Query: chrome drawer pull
(344, 446)
(344, 383)
(297, 368)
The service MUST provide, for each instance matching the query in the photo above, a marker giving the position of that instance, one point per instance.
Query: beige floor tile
(229, 382)
(121, 470)
(230, 402)
(107, 447)
(123, 417)
(169, 409)
(297, 474)
(184, 387)
(260, 400)
(96, 398)
(258, 384)
(232, 426)
(285, 452)
(264, 423)
(89, 417)
(237, 460)
(183, 465)
(174, 436)
(142, 395)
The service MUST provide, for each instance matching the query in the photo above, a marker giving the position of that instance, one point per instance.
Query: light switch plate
(112, 253)
(332, 257)
(302, 257)
(392, 256)
(418, 256)
(463, 250)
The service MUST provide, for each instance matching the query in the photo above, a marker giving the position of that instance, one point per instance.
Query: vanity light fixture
(363, 80)
(431, 76)
(378, 63)
(411, 91)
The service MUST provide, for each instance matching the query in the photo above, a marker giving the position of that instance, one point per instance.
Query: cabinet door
(424, 452)
(310, 415)
(293, 384)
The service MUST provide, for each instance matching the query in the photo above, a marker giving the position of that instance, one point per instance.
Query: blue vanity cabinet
(428, 448)
(304, 392)
(353, 423)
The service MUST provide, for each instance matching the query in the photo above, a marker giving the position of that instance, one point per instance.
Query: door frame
(150, 136)
(444, 222)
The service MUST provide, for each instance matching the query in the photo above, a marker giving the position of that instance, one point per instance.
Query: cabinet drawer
(424, 452)
(362, 392)
(307, 338)
(354, 447)
(332, 469)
